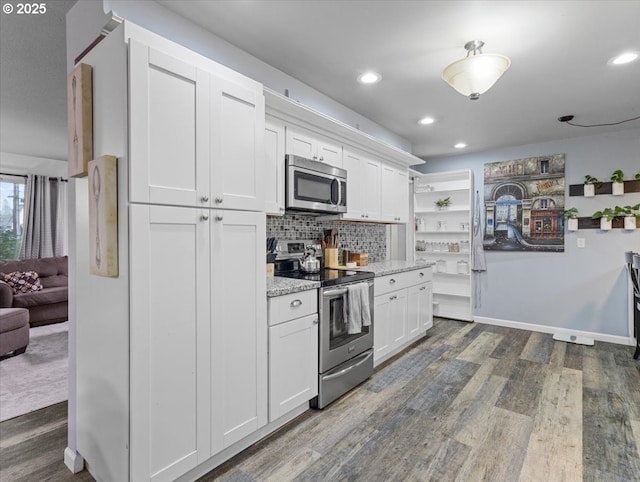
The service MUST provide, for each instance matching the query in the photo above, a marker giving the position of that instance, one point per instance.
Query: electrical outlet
(581, 243)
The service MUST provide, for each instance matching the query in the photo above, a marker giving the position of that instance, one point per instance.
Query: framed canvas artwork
(103, 216)
(80, 119)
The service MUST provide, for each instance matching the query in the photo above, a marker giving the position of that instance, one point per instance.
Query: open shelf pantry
(443, 210)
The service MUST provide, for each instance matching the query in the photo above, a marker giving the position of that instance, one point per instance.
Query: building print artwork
(103, 216)
(80, 119)
(524, 203)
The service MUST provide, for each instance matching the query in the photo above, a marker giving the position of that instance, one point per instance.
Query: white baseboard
(73, 460)
(619, 340)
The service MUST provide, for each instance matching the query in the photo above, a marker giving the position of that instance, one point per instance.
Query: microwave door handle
(334, 181)
(339, 192)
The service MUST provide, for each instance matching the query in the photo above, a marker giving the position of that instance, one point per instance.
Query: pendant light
(475, 74)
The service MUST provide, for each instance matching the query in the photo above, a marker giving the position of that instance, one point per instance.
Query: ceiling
(559, 52)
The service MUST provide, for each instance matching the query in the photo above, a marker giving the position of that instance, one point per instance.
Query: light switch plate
(581, 243)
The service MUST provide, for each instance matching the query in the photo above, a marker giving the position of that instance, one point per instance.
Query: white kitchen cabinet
(304, 143)
(444, 236)
(196, 138)
(293, 351)
(419, 310)
(170, 341)
(239, 326)
(403, 311)
(394, 188)
(274, 166)
(363, 196)
(199, 336)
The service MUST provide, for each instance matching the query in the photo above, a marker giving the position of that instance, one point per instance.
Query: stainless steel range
(345, 298)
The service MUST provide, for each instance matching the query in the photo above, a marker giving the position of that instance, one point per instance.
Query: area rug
(38, 377)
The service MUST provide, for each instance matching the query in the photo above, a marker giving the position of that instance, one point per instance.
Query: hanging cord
(567, 120)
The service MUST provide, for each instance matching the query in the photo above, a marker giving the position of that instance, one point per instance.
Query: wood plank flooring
(470, 402)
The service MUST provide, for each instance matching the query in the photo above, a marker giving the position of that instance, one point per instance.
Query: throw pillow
(23, 282)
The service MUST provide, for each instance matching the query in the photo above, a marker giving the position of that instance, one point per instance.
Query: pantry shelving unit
(444, 236)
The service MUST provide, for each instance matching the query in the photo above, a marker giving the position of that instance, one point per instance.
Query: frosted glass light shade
(474, 75)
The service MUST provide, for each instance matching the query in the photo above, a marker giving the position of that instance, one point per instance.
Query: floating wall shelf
(616, 223)
(629, 186)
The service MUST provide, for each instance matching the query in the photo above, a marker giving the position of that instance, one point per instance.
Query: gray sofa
(47, 306)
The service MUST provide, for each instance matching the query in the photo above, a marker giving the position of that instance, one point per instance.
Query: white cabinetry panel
(304, 143)
(274, 166)
(170, 333)
(239, 333)
(363, 178)
(395, 194)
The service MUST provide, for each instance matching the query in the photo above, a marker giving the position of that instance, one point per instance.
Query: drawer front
(418, 276)
(392, 282)
(292, 306)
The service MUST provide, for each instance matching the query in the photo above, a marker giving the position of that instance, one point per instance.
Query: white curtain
(44, 233)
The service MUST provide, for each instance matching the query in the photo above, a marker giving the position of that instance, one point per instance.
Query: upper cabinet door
(395, 194)
(237, 157)
(355, 186)
(274, 166)
(304, 143)
(169, 129)
(370, 171)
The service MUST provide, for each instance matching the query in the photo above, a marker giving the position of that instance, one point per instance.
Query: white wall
(580, 289)
(19, 164)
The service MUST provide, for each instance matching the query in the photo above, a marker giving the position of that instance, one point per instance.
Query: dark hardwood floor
(470, 402)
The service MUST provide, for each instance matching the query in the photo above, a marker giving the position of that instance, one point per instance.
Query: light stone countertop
(383, 268)
(278, 286)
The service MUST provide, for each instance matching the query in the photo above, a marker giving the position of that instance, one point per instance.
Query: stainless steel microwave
(314, 186)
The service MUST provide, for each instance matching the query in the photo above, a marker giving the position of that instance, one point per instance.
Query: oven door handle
(365, 356)
(332, 293)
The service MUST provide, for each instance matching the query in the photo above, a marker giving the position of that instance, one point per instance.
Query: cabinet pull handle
(421, 275)
(315, 321)
(296, 303)
(423, 288)
(321, 158)
(204, 217)
(391, 298)
(204, 199)
(315, 158)
(392, 281)
(219, 200)
(219, 217)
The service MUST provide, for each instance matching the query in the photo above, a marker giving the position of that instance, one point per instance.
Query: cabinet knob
(219, 217)
(392, 281)
(315, 158)
(219, 200)
(423, 288)
(391, 298)
(204, 199)
(421, 275)
(296, 303)
(321, 158)
(315, 321)
(204, 217)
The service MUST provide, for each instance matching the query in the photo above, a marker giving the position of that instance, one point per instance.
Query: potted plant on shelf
(605, 216)
(443, 203)
(631, 214)
(617, 178)
(590, 184)
(571, 215)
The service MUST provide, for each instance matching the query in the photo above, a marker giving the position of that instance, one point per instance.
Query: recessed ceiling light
(460, 145)
(426, 121)
(624, 58)
(369, 78)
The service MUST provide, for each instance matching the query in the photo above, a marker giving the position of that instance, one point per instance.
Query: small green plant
(617, 176)
(628, 211)
(589, 179)
(441, 203)
(605, 213)
(637, 176)
(571, 213)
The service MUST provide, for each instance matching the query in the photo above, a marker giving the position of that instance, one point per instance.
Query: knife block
(331, 257)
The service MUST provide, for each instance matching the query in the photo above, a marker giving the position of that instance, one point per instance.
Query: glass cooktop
(329, 276)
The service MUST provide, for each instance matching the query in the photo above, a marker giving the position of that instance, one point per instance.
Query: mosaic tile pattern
(358, 237)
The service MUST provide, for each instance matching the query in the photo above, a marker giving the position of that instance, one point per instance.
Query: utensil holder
(331, 257)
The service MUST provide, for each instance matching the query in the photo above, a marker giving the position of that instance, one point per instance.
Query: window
(544, 203)
(544, 166)
(11, 215)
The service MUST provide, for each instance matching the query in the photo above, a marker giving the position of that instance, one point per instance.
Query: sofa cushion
(53, 271)
(44, 297)
(13, 318)
(22, 281)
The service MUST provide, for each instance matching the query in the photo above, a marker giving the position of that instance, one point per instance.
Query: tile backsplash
(359, 237)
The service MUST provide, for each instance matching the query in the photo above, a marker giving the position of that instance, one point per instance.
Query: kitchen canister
(463, 267)
(441, 266)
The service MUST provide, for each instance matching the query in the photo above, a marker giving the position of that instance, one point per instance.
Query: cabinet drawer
(292, 306)
(392, 282)
(418, 276)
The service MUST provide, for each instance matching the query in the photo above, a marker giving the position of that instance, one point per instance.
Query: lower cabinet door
(170, 337)
(239, 403)
(381, 327)
(419, 307)
(293, 364)
(398, 325)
